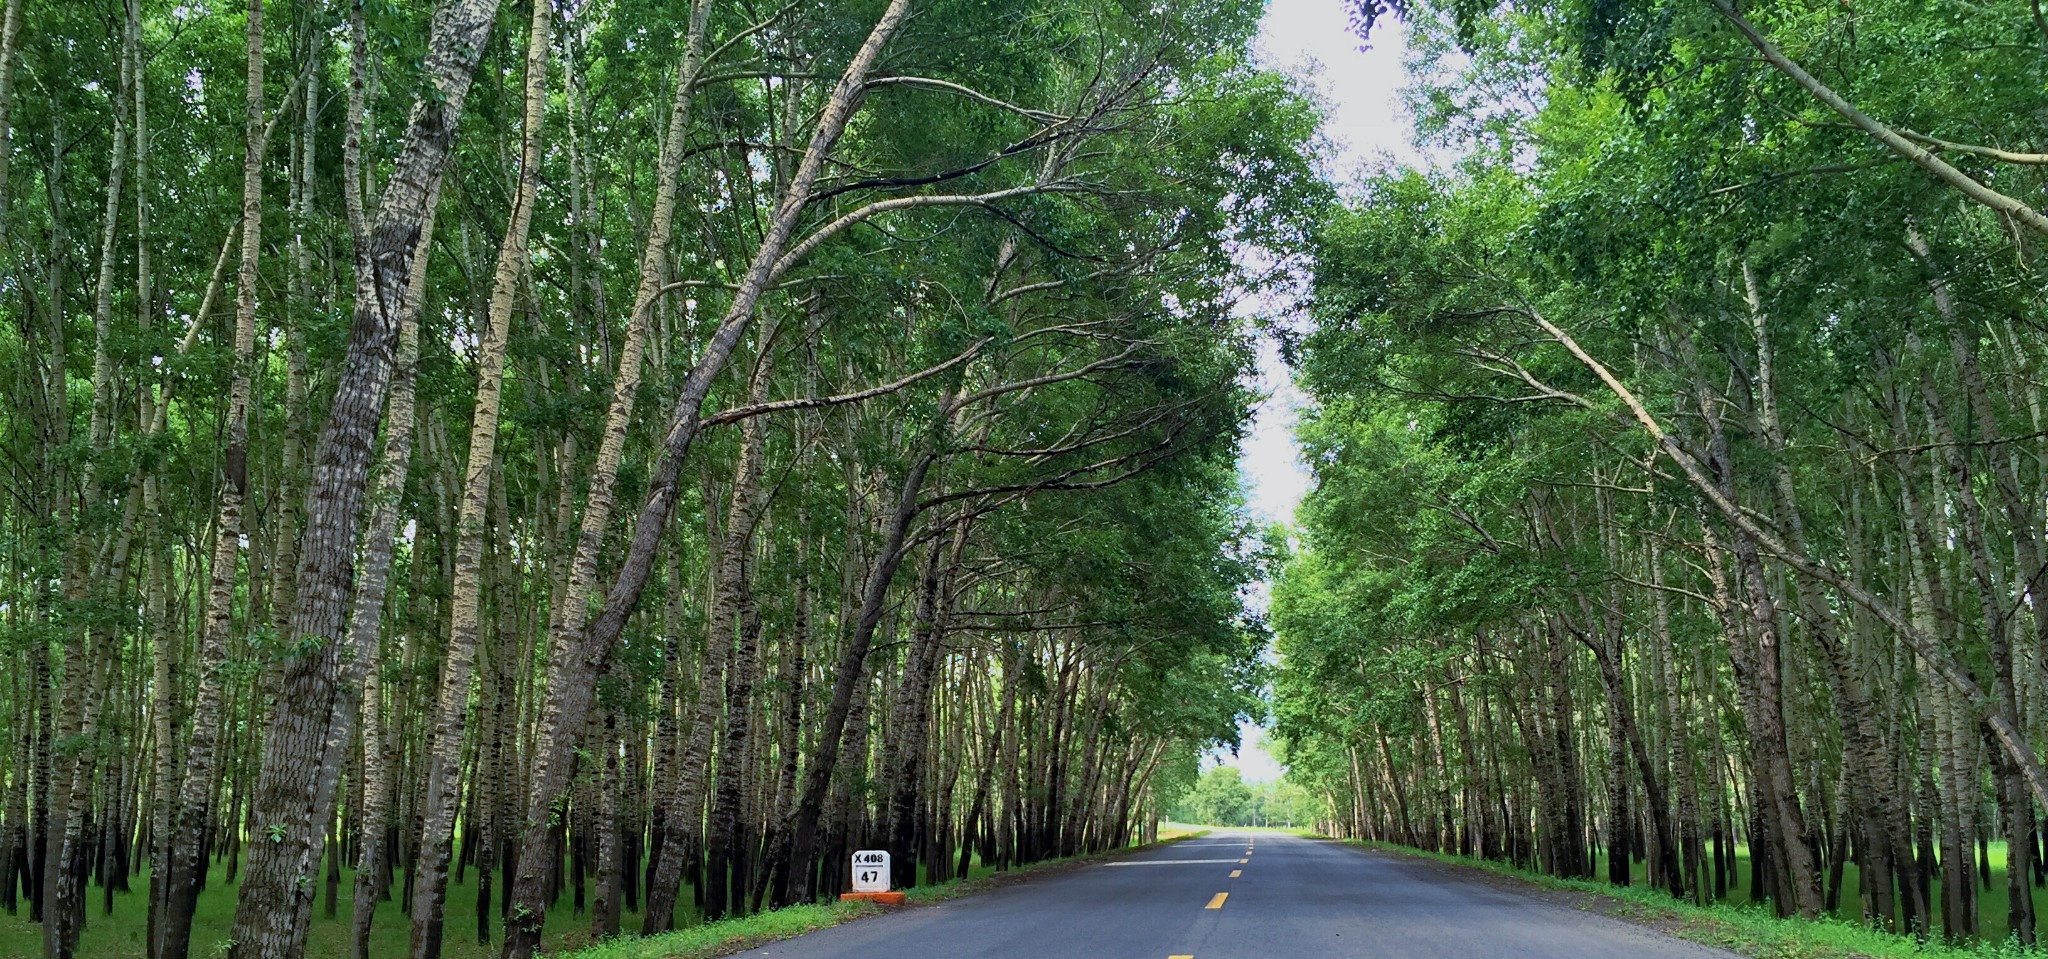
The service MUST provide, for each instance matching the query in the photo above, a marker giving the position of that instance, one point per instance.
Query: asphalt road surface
(1243, 896)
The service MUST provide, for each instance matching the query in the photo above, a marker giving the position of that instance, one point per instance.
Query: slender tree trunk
(295, 788)
(366, 618)
(734, 615)
(437, 831)
(10, 37)
(186, 864)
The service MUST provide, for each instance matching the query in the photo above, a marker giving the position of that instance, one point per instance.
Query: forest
(1677, 437)
(483, 477)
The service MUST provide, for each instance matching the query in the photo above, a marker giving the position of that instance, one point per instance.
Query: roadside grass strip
(1745, 929)
(727, 936)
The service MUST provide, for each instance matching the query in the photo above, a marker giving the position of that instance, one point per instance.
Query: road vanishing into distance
(1243, 896)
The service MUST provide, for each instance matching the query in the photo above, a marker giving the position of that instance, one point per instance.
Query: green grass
(121, 935)
(728, 935)
(1752, 929)
(1993, 908)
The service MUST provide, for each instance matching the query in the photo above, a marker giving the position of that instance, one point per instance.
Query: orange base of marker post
(878, 898)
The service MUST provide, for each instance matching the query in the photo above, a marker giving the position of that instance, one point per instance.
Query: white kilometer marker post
(871, 871)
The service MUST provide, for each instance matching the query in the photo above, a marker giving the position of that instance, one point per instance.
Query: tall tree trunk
(437, 831)
(10, 37)
(852, 672)
(294, 790)
(366, 618)
(734, 615)
(186, 863)
(902, 760)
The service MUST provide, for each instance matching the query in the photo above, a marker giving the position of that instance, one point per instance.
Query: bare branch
(817, 402)
(734, 40)
(1120, 359)
(829, 230)
(970, 93)
(1993, 153)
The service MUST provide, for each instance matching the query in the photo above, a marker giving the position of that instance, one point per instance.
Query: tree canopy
(1676, 447)
(590, 466)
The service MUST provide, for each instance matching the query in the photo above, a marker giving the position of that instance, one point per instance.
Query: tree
(1220, 797)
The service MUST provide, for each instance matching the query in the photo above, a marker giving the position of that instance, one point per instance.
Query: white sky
(1312, 40)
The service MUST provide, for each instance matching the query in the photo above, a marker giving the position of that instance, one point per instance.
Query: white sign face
(871, 871)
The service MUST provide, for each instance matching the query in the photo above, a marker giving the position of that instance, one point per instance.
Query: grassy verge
(121, 934)
(1746, 929)
(728, 936)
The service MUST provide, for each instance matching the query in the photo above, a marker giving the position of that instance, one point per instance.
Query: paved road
(1293, 899)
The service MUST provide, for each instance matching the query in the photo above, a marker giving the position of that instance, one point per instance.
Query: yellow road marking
(1234, 873)
(1180, 957)
(1243, 861)
(1216, 901)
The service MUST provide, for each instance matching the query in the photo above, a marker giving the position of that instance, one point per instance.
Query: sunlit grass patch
(727, 935)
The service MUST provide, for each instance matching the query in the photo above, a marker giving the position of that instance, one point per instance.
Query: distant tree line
(1221, 797)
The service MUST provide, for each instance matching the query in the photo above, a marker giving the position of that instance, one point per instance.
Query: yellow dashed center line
(1180, 957)
(1243, 861)
(1234, 873)
(1216, 901)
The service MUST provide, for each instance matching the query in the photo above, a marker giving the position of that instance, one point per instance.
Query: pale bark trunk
(294, 792)
(67, 863)
(156, 573)
(366, 617)
(283, 561)
(10, 37)
(430, 887)
(187, 845)
(571, 610)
